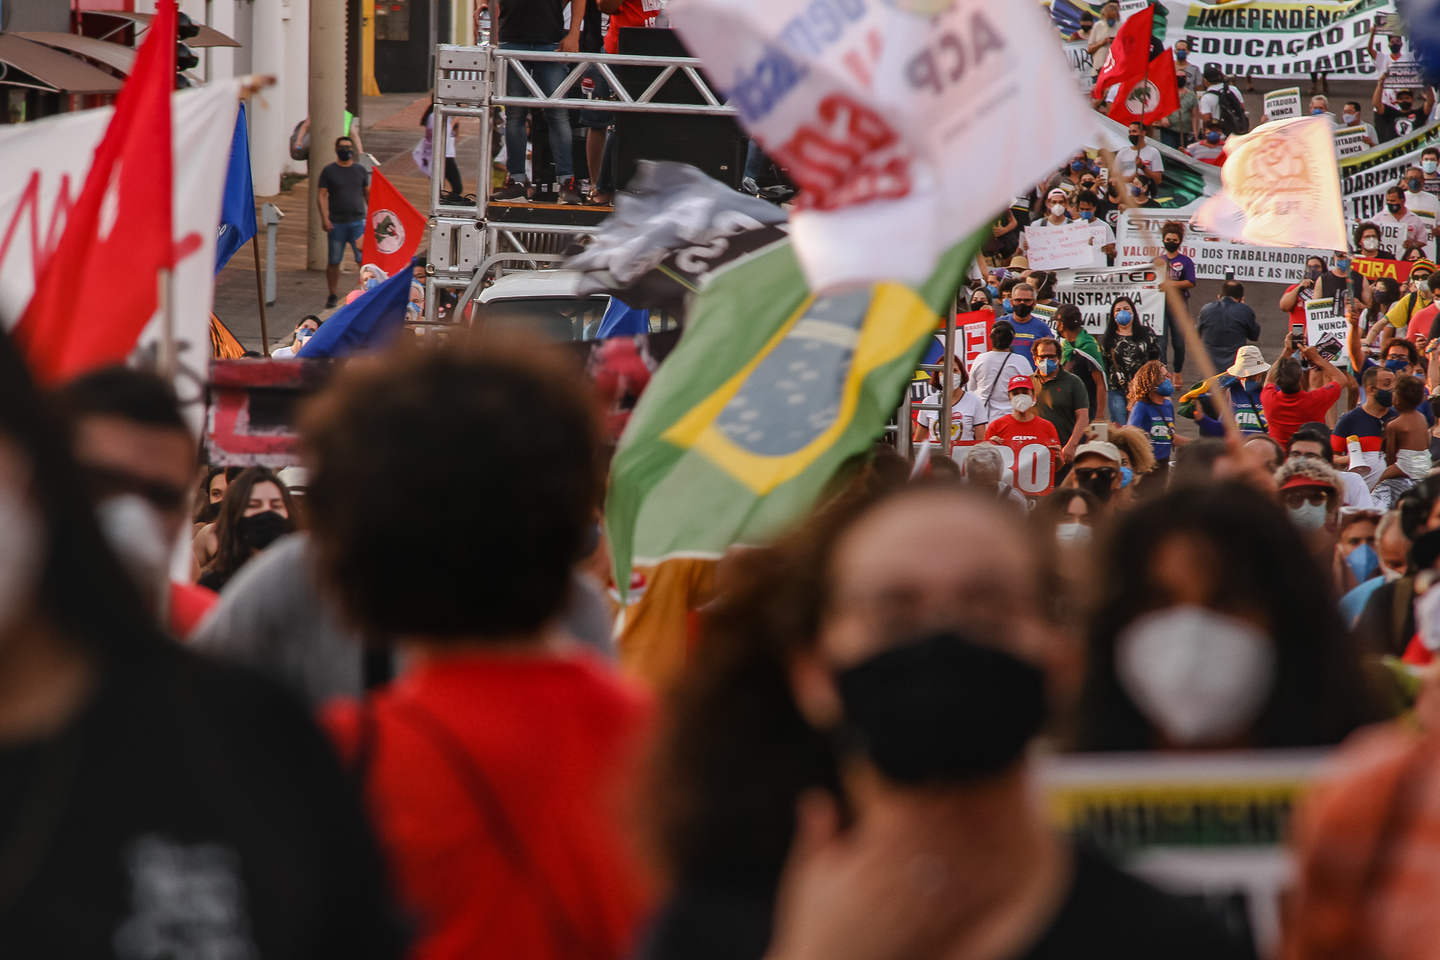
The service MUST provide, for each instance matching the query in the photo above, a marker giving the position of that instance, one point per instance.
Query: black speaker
(714, 144)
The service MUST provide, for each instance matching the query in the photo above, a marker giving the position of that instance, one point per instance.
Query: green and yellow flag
(770, 390)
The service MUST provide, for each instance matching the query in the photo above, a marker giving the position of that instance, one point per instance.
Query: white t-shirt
(1102, 236)
(966, 414)
(283, 353)
(1147, 153)
(1395, 231)
(1357, 494)
(989, 376)
(1210, 101)
(1424, 206)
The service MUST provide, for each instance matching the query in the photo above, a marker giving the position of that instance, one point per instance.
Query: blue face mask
(1364, 562)
(1316, 111)
(1126, 475)
(1182, 55)
(1109, 22)
(372, 283)
(1047, 367)
(991, 289)
(1123, 317)
(1087, 214)
(1254, 386)
(1005, 305)
(1166, 388)
(1397, 364)
(1342, 263)
(1212, 136)
(1077, 165)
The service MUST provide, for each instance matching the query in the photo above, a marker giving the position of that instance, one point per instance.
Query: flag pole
(260, 295)
(167, 323)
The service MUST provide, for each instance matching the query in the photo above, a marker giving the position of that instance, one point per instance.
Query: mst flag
(771, 390)
(1279, 187)
(1128, 54)
(1149, 96)
(393, 227)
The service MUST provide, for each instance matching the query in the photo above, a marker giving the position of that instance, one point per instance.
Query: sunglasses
(1315, 496)
(1093, 473)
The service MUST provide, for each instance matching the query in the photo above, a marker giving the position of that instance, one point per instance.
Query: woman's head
(1068, 515)
(257, 509)
(1146, 380)
(1135, 449)
(1387, 290)
(1122, 305)
(1214, 625)
(1002, 335)
(1069, 318)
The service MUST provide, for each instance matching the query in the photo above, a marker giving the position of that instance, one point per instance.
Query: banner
(1365, 178)
(974, 331)
(1374, 269)
(1077, 52)
(1073, 244)
(1350, 142)
(1278, 187)
(1283, 104)
(1031, 464)
(874, 110)
(1137, 243)
(1093, 291)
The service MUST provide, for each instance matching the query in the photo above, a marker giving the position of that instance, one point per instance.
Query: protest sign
(1069, 245)
(1374, 269)
(1321, 321)
(870, 106)
(1093, 291)
(1214, 825)
(1282, 104)
(1128, 8)
(1350, 142)
(974, 331)
(1387, 24)
(1402, 74)
(1081, 62)
(1138, 243)
(1031, 464)
(1365, 177)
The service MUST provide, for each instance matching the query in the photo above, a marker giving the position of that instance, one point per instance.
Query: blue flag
(622, 320)
(237, 210)
(1422, 18)
(368, 322)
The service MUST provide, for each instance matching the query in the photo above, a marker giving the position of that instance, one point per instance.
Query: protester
(1140, 159)
(967, 413)
(152, 804)
(256, 511)
(1126, 346)
(1355, 558)
(1210, 148)
(1068, 516)
(1400, 227)
(1023, 425)
(493, 853)
(1407, 435)
(1211, 631)
(135, 453)
(304, 330)
(1316, 442)
(993, 369)
(1098, 471)
(1152, 411)
(1180, 276)
(985, 473)
(1391, 546)
(370, 277)
(1137, 463)
(1419, 202)
(1103, 32)
(1340, 283)
(1370, 242)
(1028, 328)
(1311, 493)
(207, 498)
(343, 195)
(1387, 621)
(1081, 355)
(1061, 399)
(1350, 118)
(1393, 122)
(1242, 380)
(1265, 451)
(1286, 404)
(1228, 324)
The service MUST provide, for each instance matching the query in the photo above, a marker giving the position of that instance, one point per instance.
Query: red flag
(393, 227)
(1129, 52)
(1150, 96)
(99, 288)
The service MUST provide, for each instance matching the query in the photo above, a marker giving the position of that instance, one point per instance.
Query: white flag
(45, 164)
(907, 124)
(1279, 187)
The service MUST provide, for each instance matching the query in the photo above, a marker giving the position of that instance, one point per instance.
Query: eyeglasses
(1086, 475)
(1017, 300)
(1315, 496)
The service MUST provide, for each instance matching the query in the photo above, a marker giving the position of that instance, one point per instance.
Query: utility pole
(327, 110)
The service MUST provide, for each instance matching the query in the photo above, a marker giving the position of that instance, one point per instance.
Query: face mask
(1172, 245)
(978, 305)
(1212, 136)
(1077, 165)
(1165, 388)
(1349, 119)
(1313, 273)
(1134, 139)
(135, 533)
(262, 529)
(1135, 190)
(1198, 675)
(1405, 105)
(991, 289)
(942, 709)
(1429, 166)
(344, 153)
(1100, 487)
(1308, 517)
(1182, 55)
(1316, 111)
(1342, 264)
(1087, 215)
(1427, 619)
(1047, 367)
(1110, 22)
(1397, 364)
(1254, 386)
(1384, 397)
(957, 382)
(372, 283)
(1123, 317)
(1022, 403)
(1393, 207)
(1072, 533)
(1364, 562)
(1414, 183)
(21, 561)
(1057, 209)
(1005, 305)
(1370, 243)
(1022, 310)
(1395, 48)
(1126, 475)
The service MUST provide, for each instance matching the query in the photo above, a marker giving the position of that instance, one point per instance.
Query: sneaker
(331, 301)
(568, 193)
(748, 185)
(513, 190)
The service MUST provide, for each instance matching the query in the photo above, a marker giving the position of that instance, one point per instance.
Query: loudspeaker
(714, 144)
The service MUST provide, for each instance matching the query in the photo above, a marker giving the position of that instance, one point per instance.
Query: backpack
(1233, 118)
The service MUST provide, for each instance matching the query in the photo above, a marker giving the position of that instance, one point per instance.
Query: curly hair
(1147, 378)
(1310, 469)
(1135, 444)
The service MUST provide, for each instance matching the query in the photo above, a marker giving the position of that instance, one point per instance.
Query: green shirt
(1060, 400)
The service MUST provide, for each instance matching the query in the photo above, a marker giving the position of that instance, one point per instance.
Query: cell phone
(1297, 334)
(1101, 430)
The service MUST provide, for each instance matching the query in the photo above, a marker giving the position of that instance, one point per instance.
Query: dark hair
(1368, 378)
(1195, 462)
(1356, 105)
(453, 488)
(1314, 432)
(231, 550)
(1412, 352)
(1212, 73)
(1111, 334)
(1324, 264)
(1002, 335)
(1409, 393)
(1055, 509)
(1261, 563)
(1144, 127)
(205, 511)
(1415, 505)
(340, 140)
(1233, 289)
(1068, 317)
(1048, 340)
(121, 392)
(1363, 228)
(1395, 189)
(1170, 226)
(1087, 196)
(82, 589)
(1214, 125)
(1288, 375)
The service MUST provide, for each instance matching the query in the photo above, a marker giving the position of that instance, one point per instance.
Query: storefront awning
(56, 70)
(208, 36)
(113, 55)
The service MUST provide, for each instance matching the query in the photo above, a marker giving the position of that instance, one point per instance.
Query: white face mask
(1370, 243)
(22, 558)
(1075, 532)
(957, 382)
(1022, 403)
(135, 532)
(1350, 118)
(1058, 209)
(1198, 675)
(1309, 517)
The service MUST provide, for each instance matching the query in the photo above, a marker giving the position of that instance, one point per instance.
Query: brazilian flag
(770, 390)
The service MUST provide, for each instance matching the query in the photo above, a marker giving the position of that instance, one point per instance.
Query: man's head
(1430, 160)
(1367, 238)
(1401, 357)
(1377, 382)
(1319, 105)
(984, 467)
(1414, 179)
(1213, 74)
(1137, 133)
(1021, 390)
(1350, 113)
(1085, 204)
(1182, 50)
(1097, 469)
(1311, 442)
(1392, 545)
(1397, 44)
(1357, 529)
(1311, 491)
(1265, 451)
(1022, 300)
(1395, 201)
(1055, 203)
(1409, 393)
(1046, 351)
(452, 490)
(1111, 13)
(1288, 375)
(136, 453)
(1233, 289)
(344, 149)
(1002, 335)
(1405, 99)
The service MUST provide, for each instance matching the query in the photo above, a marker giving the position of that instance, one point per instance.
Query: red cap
(1020, 382)
(1301, 481)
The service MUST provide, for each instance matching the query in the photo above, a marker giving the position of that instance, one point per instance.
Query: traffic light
(185, 58)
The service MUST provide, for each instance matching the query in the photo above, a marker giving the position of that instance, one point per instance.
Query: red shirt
(189, 602)
(548, 877)
(1032, 465)
(1286, 412)
(632, 13)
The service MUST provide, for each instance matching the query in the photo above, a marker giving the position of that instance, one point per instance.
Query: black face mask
(942, 709)
(1100, 485)
(344, 153)
(259, 530)
(1172, 245)
(1393, 207)
(1134, 139)
(1022, 310)
(1384, 397)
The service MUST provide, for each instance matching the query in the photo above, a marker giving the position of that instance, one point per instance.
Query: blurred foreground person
(136, 458)
(151, 804)
(1215, 628)
(495, 764)
(257, 511)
